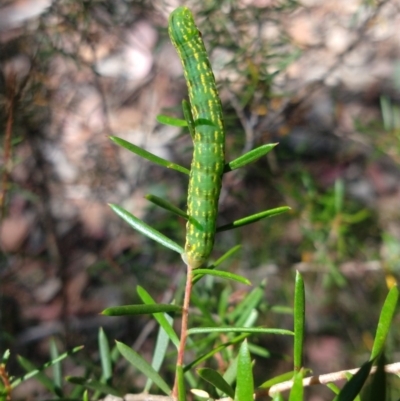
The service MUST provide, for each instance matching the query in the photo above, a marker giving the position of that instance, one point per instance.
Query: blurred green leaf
(163, 203)
(353, 387)
(222, 274)
(214, 351)
(231, 372)
(140, 309)
(40, 376)
(145, 229)
(160, 317)
(297, 390)
(333, 387)
(181, 383)
(244, 308)
(5, 357)
(148, 156)
(34, 372)
(249, 157)
(160, 350)
(57, 372)
(94, 385)
(385, 320)
(299, 322)
(277, 397)
(105, 357)
(229, 329)
(377, 389)
(244, 382)
(213, 377)
(138, 362)
(174, 122)
(225, 256)
(339, 195)
(253, 218)
(277, 379)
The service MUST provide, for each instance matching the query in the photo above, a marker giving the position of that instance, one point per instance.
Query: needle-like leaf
(148, 156)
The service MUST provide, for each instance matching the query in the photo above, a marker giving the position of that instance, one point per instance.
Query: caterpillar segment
(209, 137)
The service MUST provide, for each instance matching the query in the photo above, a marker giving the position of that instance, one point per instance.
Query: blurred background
(320, 77)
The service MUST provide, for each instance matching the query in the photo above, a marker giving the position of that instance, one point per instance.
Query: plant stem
(184, 327)
(324, 379)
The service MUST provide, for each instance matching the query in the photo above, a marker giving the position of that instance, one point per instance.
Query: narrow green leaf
(160, 317)
(105, 356)
(244, 382)
(299, 322)
(253, 218)
(137, 361)
(251, 318)
(353, 387)
(40, 376)
(249, 157)
(174, 122)
(243, 309)
(284, 310)
(386, 110)
(187, 112)
(213, 377)
(94, 385)
(278, 379)
(34, 372)
(229, 329)
(333, 387)
(140, 309)
(181, 383)
(214, 351)
(377, 390)
(167, 205)
(57, 372)
(225, 256)
(5, 357)
(278, 397)
(85, 396)
(149, 156)
(297, 391)
(385, 321)
(204, 308)
(222, 274)
(160, 351)
(231, 373)
(145, 229)
(223, 302)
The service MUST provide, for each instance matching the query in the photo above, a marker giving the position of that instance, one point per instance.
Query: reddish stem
(184, 326)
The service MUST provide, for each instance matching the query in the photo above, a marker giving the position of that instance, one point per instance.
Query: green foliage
(222, 337)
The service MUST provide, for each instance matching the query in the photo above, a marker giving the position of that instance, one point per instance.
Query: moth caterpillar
(209, 137)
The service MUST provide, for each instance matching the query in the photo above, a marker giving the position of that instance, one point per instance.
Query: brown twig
(11, 92)
(324, 379)
(184, 326)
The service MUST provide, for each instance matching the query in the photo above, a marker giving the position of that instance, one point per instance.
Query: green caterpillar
(208, 137)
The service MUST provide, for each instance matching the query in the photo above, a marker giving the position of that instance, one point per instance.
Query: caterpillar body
(209, 137)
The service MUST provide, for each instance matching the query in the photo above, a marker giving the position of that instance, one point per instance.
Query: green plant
(238, 366)
(227, 331)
